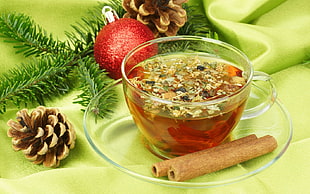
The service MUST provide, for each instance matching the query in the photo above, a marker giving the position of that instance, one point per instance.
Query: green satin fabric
(275, 34)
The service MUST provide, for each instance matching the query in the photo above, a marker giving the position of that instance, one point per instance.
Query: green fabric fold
(275, 36)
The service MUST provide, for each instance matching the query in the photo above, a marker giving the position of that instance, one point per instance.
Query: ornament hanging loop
(109, 14)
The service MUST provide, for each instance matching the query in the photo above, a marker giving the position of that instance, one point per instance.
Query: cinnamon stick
(160, 169)
(191, 167)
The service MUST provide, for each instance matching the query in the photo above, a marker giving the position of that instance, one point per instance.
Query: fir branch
(84, 33)
(307, 63)
(50, 74)
(94, 83)
(197, 24)
(36, 81)
(29, 38)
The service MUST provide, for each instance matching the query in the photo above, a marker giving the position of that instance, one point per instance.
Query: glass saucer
(117, 140)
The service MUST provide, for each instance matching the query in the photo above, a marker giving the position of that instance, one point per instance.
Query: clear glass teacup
(187, 93)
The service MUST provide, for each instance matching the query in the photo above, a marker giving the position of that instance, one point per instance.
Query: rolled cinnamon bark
(192, 167)
(160, 169)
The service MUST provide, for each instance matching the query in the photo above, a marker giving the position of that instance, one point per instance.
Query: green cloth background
(275, 34)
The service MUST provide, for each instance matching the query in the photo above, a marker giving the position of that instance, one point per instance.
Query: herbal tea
(173, 112)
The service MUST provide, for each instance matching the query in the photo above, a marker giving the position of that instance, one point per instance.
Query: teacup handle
(263, 95)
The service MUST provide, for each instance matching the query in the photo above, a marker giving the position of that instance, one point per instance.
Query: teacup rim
(189, 37)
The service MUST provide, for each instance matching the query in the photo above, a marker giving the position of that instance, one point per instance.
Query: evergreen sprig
(29, 38)
(197, 24)
(307, 63)
(93, 83)
(85, 32)
(36, 81)
(56, 63)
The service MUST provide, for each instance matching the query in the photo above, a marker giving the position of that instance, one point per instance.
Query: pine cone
(44, 136)
(163, 17)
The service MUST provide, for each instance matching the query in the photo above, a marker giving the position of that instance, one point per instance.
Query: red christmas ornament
(116, 39)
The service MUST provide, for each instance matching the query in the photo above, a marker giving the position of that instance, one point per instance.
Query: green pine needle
(306, 63)
(85, 32)
(29, 38)
(57, 63)
(197, 24)
(35, 81)
(94, 82)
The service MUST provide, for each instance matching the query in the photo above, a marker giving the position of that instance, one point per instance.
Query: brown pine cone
(45, 136)
(164, 17)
